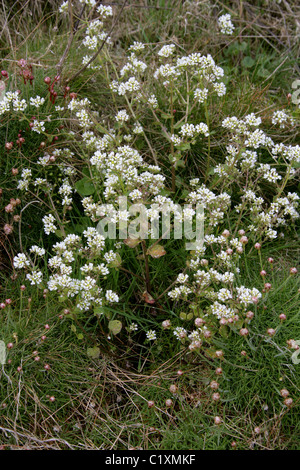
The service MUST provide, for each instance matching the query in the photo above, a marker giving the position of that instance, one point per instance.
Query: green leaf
(115, 326)
(85, 187)
(98, 311)
(132, 242)
(224, 331)
(93, 353)
(80, 336)
(184, 146)
(59, 233)
(116, 263)
(156, 251)
(248, 62)
(166, 116)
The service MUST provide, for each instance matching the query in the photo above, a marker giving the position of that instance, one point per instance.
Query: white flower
(37, 101)
(37, 250)
(225, 24)
(122, 116)
(111, 296)
(38, 126)
(49, 226)
(21, 261)
(151, 335)
(167, 51)
(35, 277)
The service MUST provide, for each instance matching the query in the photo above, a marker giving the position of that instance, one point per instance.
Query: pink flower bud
(52, 399)
(173, 388)
(241, 232)
(169, 403)
(199, 322)
(288, 402)
(10, 345)
(244, 332)
(217, 420)
(214, 385)
(293, 271)
(216, 396)
(219, 371)
(268, 286)
(271, 331)
(244, 240)
(270, 260)
(207, 334)
(8, 229)
(166, 324)
(226, 233)
(263, 273)
(151, 404)
(250, 315)
(282, 317)
(284, 393)
(257, 246)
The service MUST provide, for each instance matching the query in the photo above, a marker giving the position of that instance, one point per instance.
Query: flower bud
(216, 396)
(214, 385)
(166, 324)
(199, 322)
(244, 332)
(288, 402)
(217, 420)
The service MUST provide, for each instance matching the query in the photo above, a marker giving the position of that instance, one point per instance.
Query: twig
(71, 37)
(99, 48)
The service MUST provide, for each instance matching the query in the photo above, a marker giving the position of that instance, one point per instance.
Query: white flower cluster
(11, 101)
(225, 24)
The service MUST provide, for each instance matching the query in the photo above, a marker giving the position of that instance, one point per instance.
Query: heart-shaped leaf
(156, 251)
(93, 353)
(115, 326)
